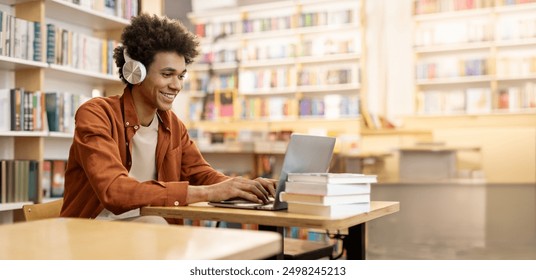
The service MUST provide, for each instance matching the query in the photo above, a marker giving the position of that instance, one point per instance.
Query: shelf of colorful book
(100, 17)
(437, 14)
(513, 7)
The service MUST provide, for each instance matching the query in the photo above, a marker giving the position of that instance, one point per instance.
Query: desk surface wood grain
(84, 239)
(203, 211)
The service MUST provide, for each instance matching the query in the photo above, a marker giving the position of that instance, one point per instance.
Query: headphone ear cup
(134, 72)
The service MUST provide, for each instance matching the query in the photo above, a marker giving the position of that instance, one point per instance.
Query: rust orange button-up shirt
(100, 159)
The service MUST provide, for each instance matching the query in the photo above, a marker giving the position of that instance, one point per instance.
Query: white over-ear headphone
(133, 71)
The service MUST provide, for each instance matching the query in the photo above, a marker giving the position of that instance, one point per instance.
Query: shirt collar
(131, 117)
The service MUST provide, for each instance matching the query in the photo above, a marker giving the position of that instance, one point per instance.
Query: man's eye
(183, 76)
(166, 75)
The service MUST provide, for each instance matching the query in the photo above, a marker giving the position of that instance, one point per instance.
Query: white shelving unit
(276, 46)
(489, 47)
(47, 77)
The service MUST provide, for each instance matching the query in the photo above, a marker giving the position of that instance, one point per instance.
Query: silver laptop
(305, 153)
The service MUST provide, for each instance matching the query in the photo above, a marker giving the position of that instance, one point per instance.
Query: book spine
(51, 43)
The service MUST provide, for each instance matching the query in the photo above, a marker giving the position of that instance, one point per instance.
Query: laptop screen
(305, 153)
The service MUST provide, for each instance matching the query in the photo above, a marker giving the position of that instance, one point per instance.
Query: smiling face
(165, 78)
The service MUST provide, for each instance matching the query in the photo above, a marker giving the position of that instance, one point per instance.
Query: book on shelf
(46, 179)
(58, 178)
(33, 177)
(332, 178)
(5, 109)
(316, 199)
(478, 100)
(18, 180)
(337, 210)
(3, 181)
(322, 188)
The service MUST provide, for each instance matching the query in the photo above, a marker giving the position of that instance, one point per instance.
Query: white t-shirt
(143, 167)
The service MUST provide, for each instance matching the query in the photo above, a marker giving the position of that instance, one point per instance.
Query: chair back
(41, 211)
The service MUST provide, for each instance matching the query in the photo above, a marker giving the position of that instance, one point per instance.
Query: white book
(333, 178)
(327, 189)
(316, 199)
(339, 210)
(478, 100)
(5, 110)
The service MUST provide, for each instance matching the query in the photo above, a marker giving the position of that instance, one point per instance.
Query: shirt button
(176, 203)
(127, 143)
(127, 123)
(135, 127)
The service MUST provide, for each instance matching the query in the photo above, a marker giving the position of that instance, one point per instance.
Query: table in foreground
(84, 239)
(354, 243)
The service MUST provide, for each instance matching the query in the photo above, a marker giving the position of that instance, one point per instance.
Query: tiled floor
(427, 252)
(455, 222)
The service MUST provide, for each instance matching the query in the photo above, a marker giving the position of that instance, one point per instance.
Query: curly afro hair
(147, 35)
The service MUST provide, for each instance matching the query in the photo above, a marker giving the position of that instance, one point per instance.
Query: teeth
(169, 95)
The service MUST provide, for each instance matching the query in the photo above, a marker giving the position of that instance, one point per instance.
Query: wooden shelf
(328, 88)
(65, 72)
(453, 47)
(311, 30)
(268, 62)
(516, 8)
(11, 63)
(329, 58)
(516, 42)
(453, 15)
(455, 80)
(23, 133)
(269, 92)
(52, 134)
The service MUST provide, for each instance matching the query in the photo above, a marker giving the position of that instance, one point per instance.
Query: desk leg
(280, 230)
(355, 243)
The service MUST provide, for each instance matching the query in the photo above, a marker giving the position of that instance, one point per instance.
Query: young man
(131, 150)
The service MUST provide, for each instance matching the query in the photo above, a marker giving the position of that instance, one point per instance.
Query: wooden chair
(41, 211)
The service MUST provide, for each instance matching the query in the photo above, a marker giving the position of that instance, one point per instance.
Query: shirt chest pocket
(171, 167)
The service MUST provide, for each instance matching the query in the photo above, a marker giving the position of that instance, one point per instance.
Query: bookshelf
(288, 62)
(475, 57)
(474, 82)
(67, 69)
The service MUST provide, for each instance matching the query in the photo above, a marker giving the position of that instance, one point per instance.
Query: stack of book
(328, 194)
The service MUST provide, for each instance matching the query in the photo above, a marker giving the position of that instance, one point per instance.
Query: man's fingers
(268, 185)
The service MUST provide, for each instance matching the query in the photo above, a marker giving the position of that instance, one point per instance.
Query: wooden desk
(366, 162)
(83, 239)
(355, 242)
